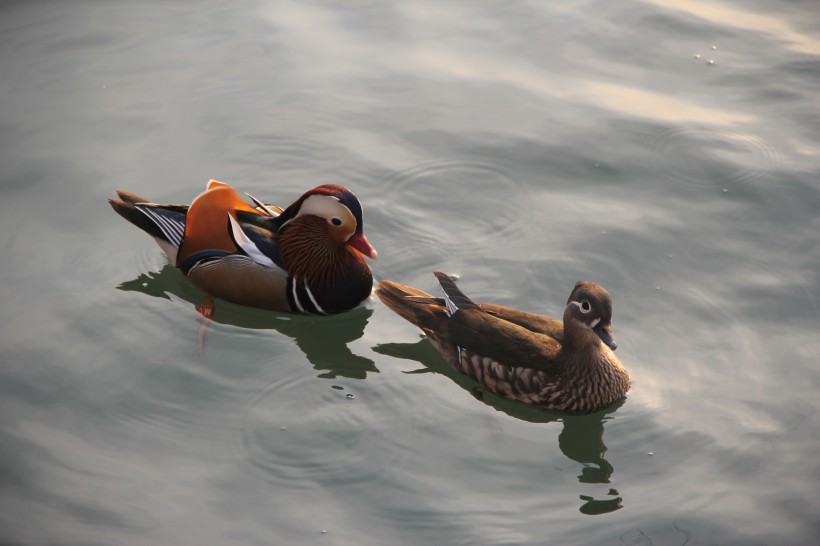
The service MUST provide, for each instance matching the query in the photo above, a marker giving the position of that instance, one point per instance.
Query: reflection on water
(580, 440)
(324, 340)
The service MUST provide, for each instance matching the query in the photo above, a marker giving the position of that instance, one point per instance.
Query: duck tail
(165, 223)
(454, 298)
(411, 304)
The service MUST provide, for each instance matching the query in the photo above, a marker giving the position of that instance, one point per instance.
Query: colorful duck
(559, 365)
(307, 258)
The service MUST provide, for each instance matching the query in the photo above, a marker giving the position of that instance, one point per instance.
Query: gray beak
(606, 336)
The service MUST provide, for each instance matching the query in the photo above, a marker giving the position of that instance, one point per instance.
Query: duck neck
(578, 338)
(311, 256)
(595, 363)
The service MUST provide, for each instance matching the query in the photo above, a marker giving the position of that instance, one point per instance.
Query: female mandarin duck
(306, 258)
(564, 366)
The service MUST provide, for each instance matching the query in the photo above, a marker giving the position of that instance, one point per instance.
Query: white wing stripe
(451, 307)
(166, 226)
(247, 245)
(172, 230)
(175, 228)
(154, 218)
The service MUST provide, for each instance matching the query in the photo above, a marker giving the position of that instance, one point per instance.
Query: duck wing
(533, 322)
(456, 323)
(493, 336)
(220, 223)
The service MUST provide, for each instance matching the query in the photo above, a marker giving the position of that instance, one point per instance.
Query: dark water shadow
(323, 340)
(580, 440)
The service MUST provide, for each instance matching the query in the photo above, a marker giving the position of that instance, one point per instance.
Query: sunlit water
(520, 145)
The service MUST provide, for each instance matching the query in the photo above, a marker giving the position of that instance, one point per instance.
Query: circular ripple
(300, 430)
(452, 206)
(708, 157)
(284, 167)
(304, 136)
(283, 154)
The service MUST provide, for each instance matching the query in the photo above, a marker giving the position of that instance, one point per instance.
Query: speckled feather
(516, 354)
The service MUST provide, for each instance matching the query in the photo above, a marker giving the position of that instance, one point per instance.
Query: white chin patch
(594, 323)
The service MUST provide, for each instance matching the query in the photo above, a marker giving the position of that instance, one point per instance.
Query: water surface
(520, 145)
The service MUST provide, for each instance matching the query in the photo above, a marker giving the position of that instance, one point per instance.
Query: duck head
(589, 313)
(340, 211)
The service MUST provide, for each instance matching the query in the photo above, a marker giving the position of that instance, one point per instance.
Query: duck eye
(336, 221)
(585, 306)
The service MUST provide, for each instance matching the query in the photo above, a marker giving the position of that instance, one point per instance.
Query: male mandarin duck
(307, 258)
(559, 365)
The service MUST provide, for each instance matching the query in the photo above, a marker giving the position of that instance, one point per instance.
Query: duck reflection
(581, 439)
(324, 340)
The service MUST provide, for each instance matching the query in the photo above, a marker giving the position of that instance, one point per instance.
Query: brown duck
(559, 365)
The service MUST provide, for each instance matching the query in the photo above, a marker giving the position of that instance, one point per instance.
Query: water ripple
(286, 153)
(297, 431)
(707, 157)
(292, 164)
(452, 206)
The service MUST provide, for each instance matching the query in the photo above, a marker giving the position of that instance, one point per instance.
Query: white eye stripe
(580, 305)
(325, 206)
(593, 322)
(329, 208)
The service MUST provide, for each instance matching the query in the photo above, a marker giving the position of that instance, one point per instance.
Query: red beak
(360, 243)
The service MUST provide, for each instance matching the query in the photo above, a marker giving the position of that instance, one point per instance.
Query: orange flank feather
(205, 226)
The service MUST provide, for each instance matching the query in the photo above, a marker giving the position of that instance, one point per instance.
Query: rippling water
(666, 150)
